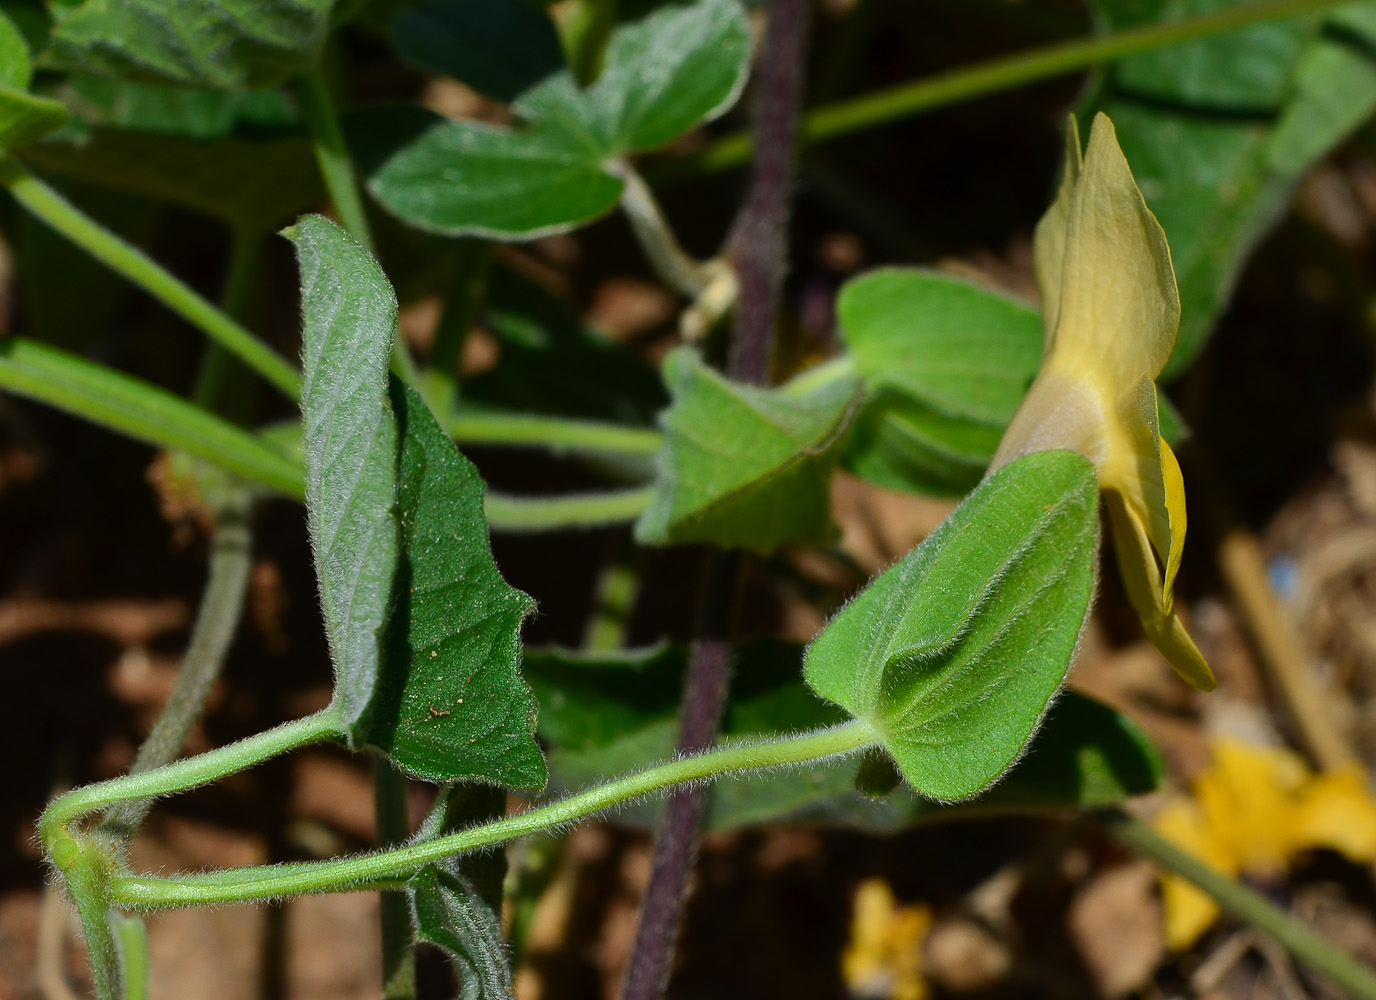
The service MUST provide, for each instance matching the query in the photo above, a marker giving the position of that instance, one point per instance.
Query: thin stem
(218, 368)
(831, 121)
(188, 773)
(231, 557)
(332, 156)
(131, 944)
(466, 291)
(398, 940)
(582, 510)
(123, 258)
(143, 411)
(337, 171)
(88, 880)
(348, 874)
(758, 248)
(675, 266)
(1248, 906)
(554, 434)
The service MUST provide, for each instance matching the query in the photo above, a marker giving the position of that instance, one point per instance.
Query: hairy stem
(341, 184)
(580, 510)
(1248, 906)
(675, 266)
(219, 371)
(131, 262)
(350, 874)
(831, 121)
(231, 557)
(758, 247)
(336, 169)
(398, 940)
(555, 434)
(54, 827)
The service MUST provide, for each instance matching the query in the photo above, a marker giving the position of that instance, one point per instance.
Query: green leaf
(219, 44)
(470, 179)
(249, 184)
(24, 118)
(177, 111)
(945, 365)
(962, 350)
(681, 65)
(954, 653)
(1247, 70)
(452, 703)
(456, 904)
(741, 466)
(608, 714)
(500, 48)
(1219, 131)
(350, 445)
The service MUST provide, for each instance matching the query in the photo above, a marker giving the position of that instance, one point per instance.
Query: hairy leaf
(954, 653)
(452, 703)
(682, 64)
(177, 111)
(456, 904)
(744, 467)
(24, 118)
(220, 44)
(608, 714)
(350, 443)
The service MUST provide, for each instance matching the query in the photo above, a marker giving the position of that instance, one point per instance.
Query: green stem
(218, 368)
(675, 266)
(1248, 906)
(231, 557)
(138, 267)
(580, 510)
(336, 169)
(341, 184)
(347, 874)
(143, 411)
(830, 121)
(555, 434)
(131, 944)
(88, 880)
(398, 939)
(461, 306)
(54, 827)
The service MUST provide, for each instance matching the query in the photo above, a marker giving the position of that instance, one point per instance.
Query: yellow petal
(1336, 810)
(1060, 410)
(1048, 245)
(1118, 311)
(1188, 912)
(1249, 796)
(1142, 580)
(1141, 466)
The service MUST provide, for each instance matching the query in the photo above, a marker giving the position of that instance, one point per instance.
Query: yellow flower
(1252, 812)
(1111, 313)
(884, 956)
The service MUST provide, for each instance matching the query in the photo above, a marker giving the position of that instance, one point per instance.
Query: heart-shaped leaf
(954, 653)
(741, 466)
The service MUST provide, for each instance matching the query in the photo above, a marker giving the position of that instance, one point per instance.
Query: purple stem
(758, 247)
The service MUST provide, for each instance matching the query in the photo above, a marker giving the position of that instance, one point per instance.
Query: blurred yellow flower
(1251, 813)
(1111, 313)
(883, 959)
